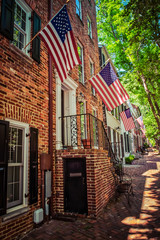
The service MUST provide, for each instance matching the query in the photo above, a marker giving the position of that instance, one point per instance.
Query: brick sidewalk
(118, 220)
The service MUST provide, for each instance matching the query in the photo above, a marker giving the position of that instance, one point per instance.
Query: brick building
(44, 123)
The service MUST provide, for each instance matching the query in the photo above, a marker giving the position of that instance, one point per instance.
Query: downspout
(50, 76)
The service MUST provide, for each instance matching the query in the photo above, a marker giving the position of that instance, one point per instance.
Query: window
(79, 8)
(89, 27)
(22, 25)
(14, 166)
(16, 26)
(17, 164)
(80, 66)
(91, 74)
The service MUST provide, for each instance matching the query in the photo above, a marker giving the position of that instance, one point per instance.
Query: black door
(75, 189)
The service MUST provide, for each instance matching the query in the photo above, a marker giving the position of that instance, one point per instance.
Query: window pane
(19, 154)
(21, 40)
(78, 8)
(19, 35)
(10, 174)
(23, 20)
(16, 191)
(80, 67)
(10, 193)
(23, 25)
(14, 135)
(19, 137)
(18, 15)
(13, 154)
(17, 174)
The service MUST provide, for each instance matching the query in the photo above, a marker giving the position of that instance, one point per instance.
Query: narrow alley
(140, 220)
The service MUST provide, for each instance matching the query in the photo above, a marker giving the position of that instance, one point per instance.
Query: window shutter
(36, 41)
(33, 165)
(125, 141)
(128, 143)
(122, 146)
(4, 132)
(7, 18)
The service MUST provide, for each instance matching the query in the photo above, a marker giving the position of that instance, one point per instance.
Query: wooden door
(75, 189)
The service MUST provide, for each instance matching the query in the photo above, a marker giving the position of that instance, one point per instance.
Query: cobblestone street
(141, 220)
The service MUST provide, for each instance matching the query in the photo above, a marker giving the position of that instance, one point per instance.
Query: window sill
(14, 214)
(83, 84)
(19, 52)
(80, 19)
(94, 96)
(91, 39)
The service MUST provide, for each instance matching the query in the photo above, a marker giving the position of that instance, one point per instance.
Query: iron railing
(85, 131)
(116, 146)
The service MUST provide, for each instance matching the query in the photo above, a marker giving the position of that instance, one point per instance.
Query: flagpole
(43, 27)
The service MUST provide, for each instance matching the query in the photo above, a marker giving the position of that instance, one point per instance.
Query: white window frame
(82, 52)
(25, 128)
(28, 11)
(79, 9)
(89, 25)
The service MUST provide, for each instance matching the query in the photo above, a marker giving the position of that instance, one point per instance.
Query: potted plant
(86, 143)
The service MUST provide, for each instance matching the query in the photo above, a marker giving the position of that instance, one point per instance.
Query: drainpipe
(50, 75)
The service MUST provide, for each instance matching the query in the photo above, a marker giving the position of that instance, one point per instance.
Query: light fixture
(118, 128)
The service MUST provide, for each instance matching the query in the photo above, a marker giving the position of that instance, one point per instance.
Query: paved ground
(141, 220)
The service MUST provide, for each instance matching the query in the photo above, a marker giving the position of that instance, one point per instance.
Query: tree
(133, 44)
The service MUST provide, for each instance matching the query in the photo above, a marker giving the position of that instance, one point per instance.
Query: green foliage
(146, 145)
(131, 32)
(129, 159)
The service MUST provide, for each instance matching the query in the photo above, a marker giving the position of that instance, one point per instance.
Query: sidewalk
(118, 220)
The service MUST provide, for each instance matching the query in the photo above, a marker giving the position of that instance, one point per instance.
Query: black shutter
(33, 165)
(125, 141)
(4, 130)
(128, 143)
(7, 18)
(36, 41)
(122, 146)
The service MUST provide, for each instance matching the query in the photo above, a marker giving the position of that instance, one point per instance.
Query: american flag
(140, 121)
(109, 87)
(58, 38)
(127, 119)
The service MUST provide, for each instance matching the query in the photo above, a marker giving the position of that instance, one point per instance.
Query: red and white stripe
(113, 95)
(64, 55)
(127, 122)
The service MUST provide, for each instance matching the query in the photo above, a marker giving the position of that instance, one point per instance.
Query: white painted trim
(69, 86)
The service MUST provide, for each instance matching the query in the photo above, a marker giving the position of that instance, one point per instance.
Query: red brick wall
(24, 98)
(100, 183)
(90, 48)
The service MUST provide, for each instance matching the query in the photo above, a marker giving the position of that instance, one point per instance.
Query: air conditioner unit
(38, 216)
